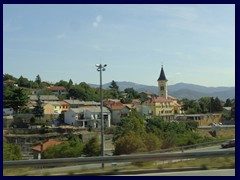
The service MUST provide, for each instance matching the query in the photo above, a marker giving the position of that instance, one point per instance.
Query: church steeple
(162, 75)
(162, 84)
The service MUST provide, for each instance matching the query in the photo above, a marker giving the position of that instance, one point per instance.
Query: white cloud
(97, 21)
(99, 18)
(95, 24)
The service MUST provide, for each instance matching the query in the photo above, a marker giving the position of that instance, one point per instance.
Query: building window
(162, 88)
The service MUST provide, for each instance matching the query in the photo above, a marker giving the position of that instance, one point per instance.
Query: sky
(195, 43)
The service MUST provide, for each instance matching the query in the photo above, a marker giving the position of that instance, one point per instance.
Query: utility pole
(101, 68)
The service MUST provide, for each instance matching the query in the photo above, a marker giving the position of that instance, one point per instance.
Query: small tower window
(162, 88)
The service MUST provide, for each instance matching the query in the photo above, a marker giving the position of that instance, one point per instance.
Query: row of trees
(24, 82)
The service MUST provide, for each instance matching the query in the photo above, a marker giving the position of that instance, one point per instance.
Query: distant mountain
(179, 90)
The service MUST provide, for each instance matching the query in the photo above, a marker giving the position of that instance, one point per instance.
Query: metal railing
(116, 159)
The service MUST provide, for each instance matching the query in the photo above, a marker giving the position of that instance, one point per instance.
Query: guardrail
(182, 148)
(115, 159)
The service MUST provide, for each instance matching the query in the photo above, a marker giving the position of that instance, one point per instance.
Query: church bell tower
(162, 84)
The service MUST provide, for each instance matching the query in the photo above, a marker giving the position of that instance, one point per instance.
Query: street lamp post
(101, 68)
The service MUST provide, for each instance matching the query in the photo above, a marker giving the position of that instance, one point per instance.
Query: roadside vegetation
(135, 134)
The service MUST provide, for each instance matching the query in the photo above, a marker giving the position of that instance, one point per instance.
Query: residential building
(88, 116)
(59, 90)
(159, 106)
(9, 81)
(37, 150)
(202, 119)
(57, 106)
(117, 109)
(48, 109)
(74, 103)
(64, 106)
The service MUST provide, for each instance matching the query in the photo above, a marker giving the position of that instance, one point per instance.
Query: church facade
(164, 105)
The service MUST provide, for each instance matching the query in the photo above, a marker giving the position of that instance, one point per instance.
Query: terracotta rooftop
(113, 105)
(48, 143)
(57, 88)
(158, 99)
(9, 81)
(171, 97)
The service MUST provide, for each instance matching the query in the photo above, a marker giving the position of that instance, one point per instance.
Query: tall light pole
(101, 68)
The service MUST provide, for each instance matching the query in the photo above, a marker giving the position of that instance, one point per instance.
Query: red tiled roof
(63, 103)
(176, 104)
(57, 88)
(158, 99)
(130, 106)
(50, 142)
(9, 81)
(113, 105)
(171, 97)
(136, 101)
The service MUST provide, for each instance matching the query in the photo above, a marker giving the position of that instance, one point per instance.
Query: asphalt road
(218, 172)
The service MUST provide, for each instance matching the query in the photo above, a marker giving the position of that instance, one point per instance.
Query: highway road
(216, 172)
(98, 166)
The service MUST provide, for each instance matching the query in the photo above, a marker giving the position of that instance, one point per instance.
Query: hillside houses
(118, 110)
(58, 90)
(88, 116)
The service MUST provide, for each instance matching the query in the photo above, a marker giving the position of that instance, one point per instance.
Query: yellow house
(177, 107)
(56, 106)
(48, 109)
(64, 106)
(161, 107)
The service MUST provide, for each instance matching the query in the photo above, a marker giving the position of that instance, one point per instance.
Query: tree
(62, 83)
(44, 91)
(11, 151)
(71, 148)
(38, 110)
(130, 143)
(233, 109)
(228, 103)
(78, 93)
(152, 142)
(23, 82)
(69, 84)
(132, 93)
(38, 80)
(114, 85)
(114, 94)
(217, 106)
(191, 106)
(133, 124)
(7, 95)
(92, 147)
(8, 77)
(204, 104)
(18, 99)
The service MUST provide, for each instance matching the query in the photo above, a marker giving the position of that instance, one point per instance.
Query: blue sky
(195, 43)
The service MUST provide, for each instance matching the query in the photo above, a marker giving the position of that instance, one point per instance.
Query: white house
(7, 111)
(87, 116)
